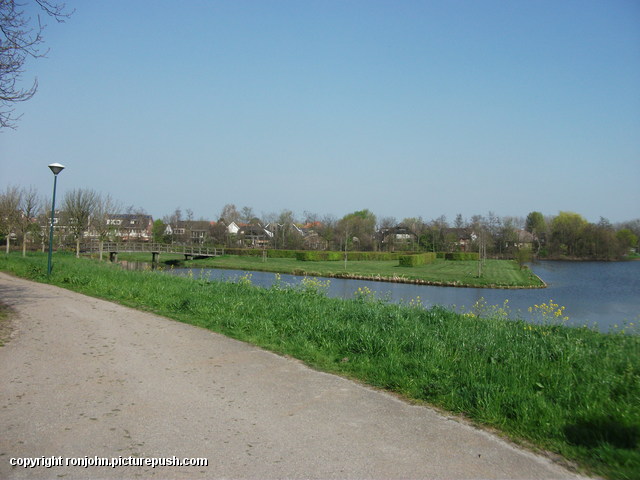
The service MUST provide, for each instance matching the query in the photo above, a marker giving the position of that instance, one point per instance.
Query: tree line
(566, 235)
(24, 218)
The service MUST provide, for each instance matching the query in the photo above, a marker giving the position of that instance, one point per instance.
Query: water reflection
(136, 265)
(604, 294)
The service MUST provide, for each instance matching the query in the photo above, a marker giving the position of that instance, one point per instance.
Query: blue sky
(407, 108)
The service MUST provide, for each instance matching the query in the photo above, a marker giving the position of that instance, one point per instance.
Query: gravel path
(84, 378)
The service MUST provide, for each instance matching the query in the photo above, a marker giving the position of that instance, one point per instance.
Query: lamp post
(56, 168)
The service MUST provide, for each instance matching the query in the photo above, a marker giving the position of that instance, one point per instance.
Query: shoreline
(380, 278)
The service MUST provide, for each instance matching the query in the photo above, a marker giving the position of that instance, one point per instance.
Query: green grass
(5, 324)
(574, 392)
(496, 273)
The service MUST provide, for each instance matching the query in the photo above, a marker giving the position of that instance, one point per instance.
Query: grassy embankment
(496, 273)
(574, 392)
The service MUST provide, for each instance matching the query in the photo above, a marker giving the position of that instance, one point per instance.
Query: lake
(601, 294)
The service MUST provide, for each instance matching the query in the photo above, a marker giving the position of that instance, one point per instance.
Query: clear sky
(406, 108)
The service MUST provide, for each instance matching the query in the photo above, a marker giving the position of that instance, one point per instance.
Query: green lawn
(496, 273)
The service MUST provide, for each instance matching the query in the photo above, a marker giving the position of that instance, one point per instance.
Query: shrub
(415, 260)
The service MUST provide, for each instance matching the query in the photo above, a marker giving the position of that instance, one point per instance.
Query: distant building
(190, 231)
(399, 237)
(128, 227)
(459, 239)
(255, 236)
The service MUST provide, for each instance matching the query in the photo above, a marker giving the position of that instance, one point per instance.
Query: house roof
(193, 224)
(130, 216)
(254, 230)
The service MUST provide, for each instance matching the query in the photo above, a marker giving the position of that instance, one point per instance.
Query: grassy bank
(571, 391)
(496, 273)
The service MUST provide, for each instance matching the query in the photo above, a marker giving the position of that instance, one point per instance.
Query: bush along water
(573, 391)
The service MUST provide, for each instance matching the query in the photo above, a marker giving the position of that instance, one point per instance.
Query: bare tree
(9, 212)
(230, 214)
(133, 210)
(105, 207)
(327, 230)
(173, 221)
(20, 38)
(79, 205)
(385, 237)
(285, 223)
(310, 217)
(27, 220)
(416, 226)
(189, 226)
(247, 215)
(44, 221)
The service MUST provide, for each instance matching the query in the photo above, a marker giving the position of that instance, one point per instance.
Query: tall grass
(575, 392)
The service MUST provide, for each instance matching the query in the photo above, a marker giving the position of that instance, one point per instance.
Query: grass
(574, 392)
(496, 273)
(502, 273)
(5, 324)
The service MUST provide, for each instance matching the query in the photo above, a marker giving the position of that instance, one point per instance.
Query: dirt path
(84, 377)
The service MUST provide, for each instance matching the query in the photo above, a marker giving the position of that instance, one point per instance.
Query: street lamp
(56, 168)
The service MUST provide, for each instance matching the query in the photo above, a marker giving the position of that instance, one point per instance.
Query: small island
(439, 271)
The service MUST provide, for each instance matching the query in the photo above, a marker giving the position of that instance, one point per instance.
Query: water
(601, 294)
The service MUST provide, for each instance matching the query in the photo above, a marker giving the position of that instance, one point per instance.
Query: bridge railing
(131, 247)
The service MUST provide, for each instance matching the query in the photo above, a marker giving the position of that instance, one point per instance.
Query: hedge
(373, 256)
(322, 256)
(461, 256)
(318, 256)
(257, 252)
(415, 260)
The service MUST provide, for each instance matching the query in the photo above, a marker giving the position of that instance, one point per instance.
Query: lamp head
(56, 168)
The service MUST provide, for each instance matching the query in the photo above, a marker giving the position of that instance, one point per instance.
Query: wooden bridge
(155, 249)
